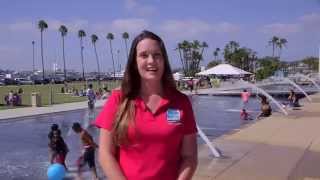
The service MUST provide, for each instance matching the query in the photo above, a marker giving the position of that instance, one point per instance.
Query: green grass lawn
(44, 91)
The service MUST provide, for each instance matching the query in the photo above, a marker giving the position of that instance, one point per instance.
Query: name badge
(173, 115)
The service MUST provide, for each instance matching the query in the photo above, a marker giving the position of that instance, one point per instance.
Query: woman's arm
(189, 155)
(107, 158)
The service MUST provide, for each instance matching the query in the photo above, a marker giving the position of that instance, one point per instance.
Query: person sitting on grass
(88, 152)
(10, 97)
(6, 99)
(16, 99)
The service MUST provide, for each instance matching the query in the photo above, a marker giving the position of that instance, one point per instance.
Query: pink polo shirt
(245, 96)
(155, 139)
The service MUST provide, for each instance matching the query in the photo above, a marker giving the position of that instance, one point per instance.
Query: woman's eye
(143, 55)
(156, 56)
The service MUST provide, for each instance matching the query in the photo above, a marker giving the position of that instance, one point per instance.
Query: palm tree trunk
(280, 52)
(42, 56)
(202, 51)
(273, 49)
(114, 71)
(81, 46)
(181, 58)
(125, 41)
(185, 61)
(95, 51)
(33, 67)
(64, 60)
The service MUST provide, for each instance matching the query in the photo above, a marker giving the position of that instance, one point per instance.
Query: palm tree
(234, 46)
(216, 53)
(118, 59)
(63, 30)
(42, 25)
(281, 43)
(180, 48)
(110, 37)
(94, 39)
(33, 68)
(186, 46)
(125, 36)
(274, 40)
(203, 45)
(81, 34)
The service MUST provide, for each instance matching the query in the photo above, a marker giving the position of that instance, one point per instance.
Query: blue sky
(252, 23)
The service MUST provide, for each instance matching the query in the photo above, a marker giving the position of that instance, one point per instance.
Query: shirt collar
(165, 100)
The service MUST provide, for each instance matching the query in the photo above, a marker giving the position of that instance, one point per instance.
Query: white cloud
(6, 49)
(281, 29)
(131, 25)
(53, 24)
(310, 22)
(121, 25)
(130, 4)
(22, 26)
(73, 26)
(185, 28)
(192, 28)
(310, 18)
(146, 10)
(139, 9)
(226, 27)
(306, 23)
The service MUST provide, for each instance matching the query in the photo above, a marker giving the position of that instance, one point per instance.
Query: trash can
(35, 99)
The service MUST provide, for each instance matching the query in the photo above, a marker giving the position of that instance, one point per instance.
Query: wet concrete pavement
(276, 148)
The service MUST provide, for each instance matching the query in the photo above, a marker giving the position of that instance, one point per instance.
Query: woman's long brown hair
(130, 88)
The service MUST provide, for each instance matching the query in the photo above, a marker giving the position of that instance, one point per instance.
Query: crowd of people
(14, 98)
(265, 107)
(100, 93)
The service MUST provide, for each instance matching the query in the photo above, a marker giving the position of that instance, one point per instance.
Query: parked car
(8, 81)
(40, 81)
(24, 81)
(58, 80)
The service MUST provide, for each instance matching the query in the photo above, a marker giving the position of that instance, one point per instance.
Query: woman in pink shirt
(148, 130)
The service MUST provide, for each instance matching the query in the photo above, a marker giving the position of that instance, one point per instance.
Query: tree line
(191, 54)
(63, 30)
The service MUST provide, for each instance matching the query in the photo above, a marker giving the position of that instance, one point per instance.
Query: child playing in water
(244, 115)
(57, 147)
(88, 153)
(245, 95)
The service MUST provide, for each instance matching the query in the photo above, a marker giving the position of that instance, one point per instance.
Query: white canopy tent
(223, 69)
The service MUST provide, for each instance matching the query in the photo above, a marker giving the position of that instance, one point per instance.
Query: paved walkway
(31, 111)
(276, 148)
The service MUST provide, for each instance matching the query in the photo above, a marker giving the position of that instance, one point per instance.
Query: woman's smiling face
(150, 61)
